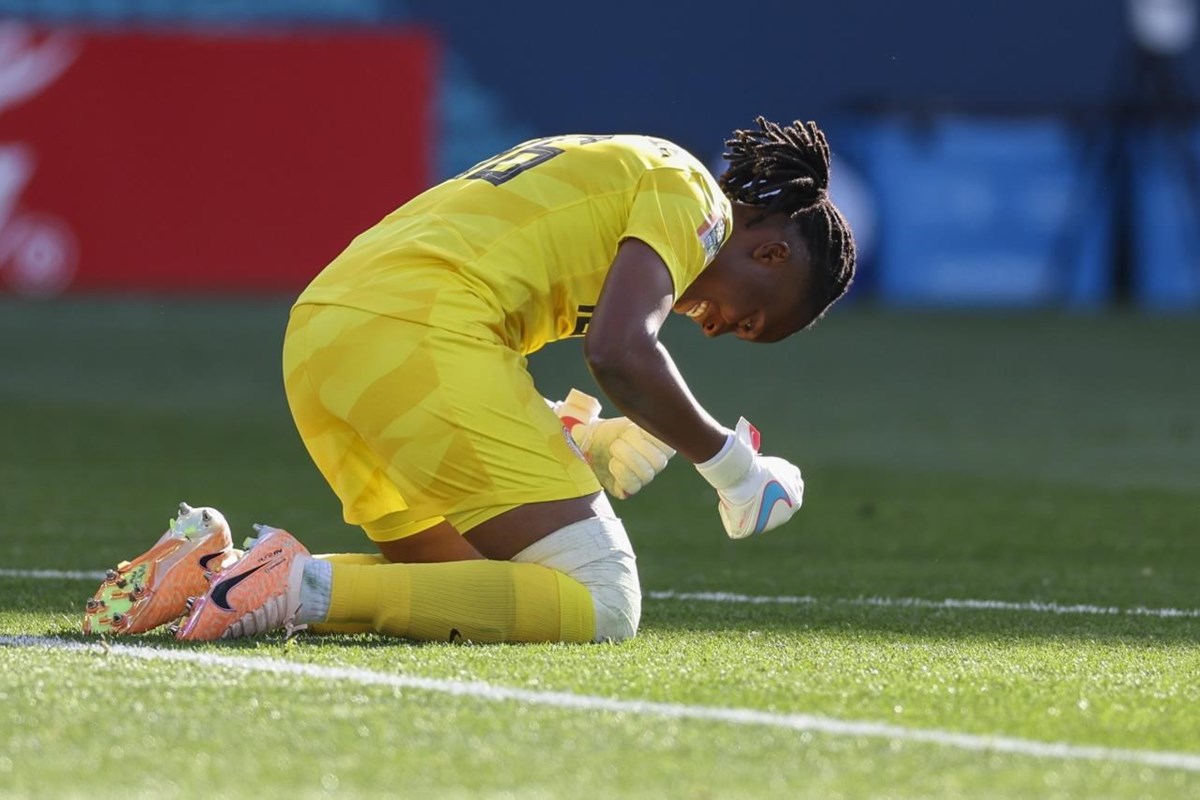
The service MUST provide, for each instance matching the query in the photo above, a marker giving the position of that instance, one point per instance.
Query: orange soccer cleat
(152, 589)
(259, 593)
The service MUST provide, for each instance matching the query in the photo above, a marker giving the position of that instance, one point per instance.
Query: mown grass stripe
(918, 602)
(566, 700)
(949, 603)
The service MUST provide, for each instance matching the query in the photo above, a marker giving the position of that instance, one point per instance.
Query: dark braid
(786, 170)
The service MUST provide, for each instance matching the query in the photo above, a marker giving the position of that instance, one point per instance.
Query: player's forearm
(644, 383)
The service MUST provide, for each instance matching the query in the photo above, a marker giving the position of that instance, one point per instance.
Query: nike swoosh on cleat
(772, 493)
(222, 589)
(205, 559)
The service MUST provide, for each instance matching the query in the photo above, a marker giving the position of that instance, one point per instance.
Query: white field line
(579, 702)
(918, 602)
(789, 600)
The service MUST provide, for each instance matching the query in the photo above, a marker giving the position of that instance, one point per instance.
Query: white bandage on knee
(597, 553)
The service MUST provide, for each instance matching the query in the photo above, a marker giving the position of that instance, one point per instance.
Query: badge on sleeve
(712, 234)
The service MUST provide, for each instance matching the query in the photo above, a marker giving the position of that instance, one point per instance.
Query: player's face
(755, 287)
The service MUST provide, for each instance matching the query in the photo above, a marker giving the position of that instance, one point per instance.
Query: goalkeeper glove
(623, 457)
(757, 493)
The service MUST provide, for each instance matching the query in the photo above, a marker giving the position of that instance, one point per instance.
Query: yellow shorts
(412, 424)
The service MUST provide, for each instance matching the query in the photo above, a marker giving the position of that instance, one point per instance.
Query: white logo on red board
(38, 252)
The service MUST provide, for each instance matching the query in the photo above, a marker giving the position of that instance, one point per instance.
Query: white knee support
(597, 553)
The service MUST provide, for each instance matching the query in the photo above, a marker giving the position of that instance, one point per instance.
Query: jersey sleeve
(684, 217)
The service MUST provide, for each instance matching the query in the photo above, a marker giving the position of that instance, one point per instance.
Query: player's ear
(773, 253)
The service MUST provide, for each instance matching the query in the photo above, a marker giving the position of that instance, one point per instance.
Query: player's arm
(630, 364)
(633, 368)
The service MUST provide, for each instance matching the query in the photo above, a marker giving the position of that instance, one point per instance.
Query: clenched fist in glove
(623, 456)
(757, 493)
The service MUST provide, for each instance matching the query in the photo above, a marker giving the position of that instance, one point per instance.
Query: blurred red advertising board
(173, 161)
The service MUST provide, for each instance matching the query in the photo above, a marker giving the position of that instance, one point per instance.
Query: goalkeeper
(405, 371)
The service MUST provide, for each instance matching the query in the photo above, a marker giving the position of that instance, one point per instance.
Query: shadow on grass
(903, 625)
(919, 623)
(272, 643)
(57, 598)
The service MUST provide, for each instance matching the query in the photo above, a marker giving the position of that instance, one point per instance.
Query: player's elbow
(615, 369)
(617, 359)
(601, 359)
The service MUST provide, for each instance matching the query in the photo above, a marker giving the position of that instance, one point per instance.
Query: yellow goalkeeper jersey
(518, 246)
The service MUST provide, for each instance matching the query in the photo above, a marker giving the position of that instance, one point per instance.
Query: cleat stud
(205, 517)
(173, 629)
(139, 591)
(191, 603)
(111, 575)
(184, 509)
(93, 604)
(118, 617)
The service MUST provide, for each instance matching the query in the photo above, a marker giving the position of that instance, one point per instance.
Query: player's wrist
(730, 466)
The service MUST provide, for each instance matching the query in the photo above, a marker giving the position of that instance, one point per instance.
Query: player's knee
(596, 552)
(612, 579)
(618, 606)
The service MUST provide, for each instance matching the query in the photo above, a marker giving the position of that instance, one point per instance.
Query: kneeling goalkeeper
(405, 371)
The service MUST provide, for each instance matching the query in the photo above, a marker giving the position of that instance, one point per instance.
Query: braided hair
(785, 170)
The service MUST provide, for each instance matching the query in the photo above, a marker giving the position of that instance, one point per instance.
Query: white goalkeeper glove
(757, 493)
(623, 457)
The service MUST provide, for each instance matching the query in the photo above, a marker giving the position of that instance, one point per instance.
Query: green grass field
(1026, 463)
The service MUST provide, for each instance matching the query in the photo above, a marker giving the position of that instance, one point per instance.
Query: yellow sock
(480, 601)
(347, 558)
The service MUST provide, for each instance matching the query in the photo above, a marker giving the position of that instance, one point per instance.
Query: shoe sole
(153, 589)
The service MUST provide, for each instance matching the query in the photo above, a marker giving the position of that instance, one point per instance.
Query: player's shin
(319, 626)
(479, 601)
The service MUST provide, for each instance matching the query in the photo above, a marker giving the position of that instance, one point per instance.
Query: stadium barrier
(188, 161)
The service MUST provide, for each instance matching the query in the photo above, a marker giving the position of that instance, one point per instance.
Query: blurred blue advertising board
(984, 212)
(1166, 221)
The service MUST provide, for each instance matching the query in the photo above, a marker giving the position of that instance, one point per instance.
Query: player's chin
(766, 337)
(780, 332)
(770, 338)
